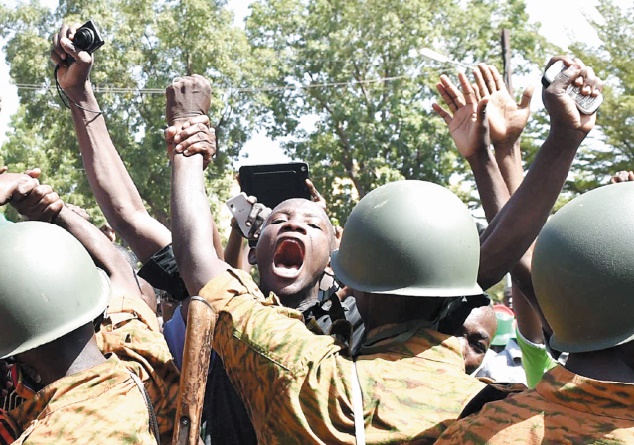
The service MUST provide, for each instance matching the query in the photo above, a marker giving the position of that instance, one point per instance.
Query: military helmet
(49, 286)
(583, 270)
(410, 238)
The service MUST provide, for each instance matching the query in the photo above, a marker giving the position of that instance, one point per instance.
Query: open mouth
(288, 258)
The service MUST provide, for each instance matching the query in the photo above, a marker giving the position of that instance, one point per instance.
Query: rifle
(196, 356)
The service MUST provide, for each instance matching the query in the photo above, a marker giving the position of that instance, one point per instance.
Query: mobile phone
(585, 104)
(272, 184)
(240, 208)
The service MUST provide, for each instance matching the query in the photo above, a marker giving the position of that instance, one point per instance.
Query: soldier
(583, 273)
(300, 388)
(115, 386)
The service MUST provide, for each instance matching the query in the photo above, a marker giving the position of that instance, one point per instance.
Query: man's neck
(606, 365)
(301, 300)
(66, 356)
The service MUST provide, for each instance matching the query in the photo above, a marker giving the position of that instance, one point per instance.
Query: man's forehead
(300, 205)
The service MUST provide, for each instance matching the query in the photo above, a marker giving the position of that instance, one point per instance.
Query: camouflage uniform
(103, 404)
(564, 408)
(297, 385)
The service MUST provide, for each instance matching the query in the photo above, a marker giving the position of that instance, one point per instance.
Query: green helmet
(410, 238)
(583, 270)
(506, 325)
(49, 286)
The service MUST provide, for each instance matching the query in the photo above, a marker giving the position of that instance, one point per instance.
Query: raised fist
(187, 97)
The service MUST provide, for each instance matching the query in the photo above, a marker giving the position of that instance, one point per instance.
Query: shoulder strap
(148, 403)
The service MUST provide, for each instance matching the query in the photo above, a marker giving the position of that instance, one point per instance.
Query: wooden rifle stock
(196, 356)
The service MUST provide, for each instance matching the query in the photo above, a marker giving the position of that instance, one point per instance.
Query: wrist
(510, 146)
(481, 156)
(181, 118)
(81, 94)
(567, 135)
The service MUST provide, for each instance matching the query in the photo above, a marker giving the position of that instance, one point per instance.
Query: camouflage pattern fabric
(103, 405)
(564, 408)
(131, 331)
(297, 385)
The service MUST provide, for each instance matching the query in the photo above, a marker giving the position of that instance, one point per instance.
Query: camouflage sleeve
(131, 331)
(267, 350)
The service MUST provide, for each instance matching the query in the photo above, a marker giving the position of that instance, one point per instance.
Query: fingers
(467, 91)
(58, 54)
(24, 187)
(15, 186)
(590, 83)
(480, 81)
(40, 204)
(450, 94)
(622, 176)
(476, 91)
(442, 113)
(170, 133)
(256, 219)
(566, 59)
(191, 127)
(527, 96)
(481, 119)
(315, 195)
(498, 79)
(34, 173)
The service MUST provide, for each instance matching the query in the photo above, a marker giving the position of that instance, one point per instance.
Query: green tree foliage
(613, 149)
(148, 43)
(355, 69)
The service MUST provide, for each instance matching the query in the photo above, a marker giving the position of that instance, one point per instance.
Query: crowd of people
(379, 333)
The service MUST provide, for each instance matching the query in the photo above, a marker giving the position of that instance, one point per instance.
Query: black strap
(150, 409)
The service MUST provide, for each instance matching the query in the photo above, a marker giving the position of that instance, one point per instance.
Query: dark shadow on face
(475, 336)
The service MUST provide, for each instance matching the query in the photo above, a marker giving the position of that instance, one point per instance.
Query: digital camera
(87, 38)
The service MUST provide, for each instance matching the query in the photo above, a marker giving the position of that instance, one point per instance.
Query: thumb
(170, 132)
(76, 53)
(34, 173)
(481, 119)
(481, 111)
(566, 77)
(525, 102)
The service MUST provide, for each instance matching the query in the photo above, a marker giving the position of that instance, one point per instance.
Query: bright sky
(261, 149)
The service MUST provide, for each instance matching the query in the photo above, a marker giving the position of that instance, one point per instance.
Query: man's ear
(252, 258)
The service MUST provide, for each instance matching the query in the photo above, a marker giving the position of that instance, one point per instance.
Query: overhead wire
(223, 89)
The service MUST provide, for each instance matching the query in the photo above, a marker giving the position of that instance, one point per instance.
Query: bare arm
(468, 126)
(516, 226)
(109, 180)
(233, 249)
(507, 121)
(191, 216)
(43, 204)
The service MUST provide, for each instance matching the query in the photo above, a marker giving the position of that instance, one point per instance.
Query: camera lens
(84, 38)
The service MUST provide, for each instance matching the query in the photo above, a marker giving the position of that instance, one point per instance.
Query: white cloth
(505, 366)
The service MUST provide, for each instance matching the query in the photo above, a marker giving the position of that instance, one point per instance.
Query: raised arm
(109, 180)
(516, 226)
(43, 204)
(468, 126)
(507, 120)
(197, 261)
